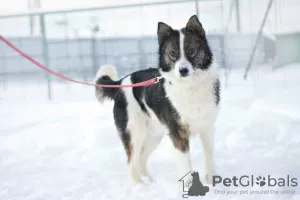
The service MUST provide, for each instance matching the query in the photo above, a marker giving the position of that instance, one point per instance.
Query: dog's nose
(183, 71)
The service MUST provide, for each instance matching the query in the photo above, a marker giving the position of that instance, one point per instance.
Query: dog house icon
(195, 187)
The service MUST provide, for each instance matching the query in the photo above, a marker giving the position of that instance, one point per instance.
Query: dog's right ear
(163, 31)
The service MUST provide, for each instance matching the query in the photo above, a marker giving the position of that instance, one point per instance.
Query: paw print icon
(261, 181)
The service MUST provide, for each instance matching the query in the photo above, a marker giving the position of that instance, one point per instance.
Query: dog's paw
(135, 180)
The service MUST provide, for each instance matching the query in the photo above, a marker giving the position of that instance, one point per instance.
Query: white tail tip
(107, 70)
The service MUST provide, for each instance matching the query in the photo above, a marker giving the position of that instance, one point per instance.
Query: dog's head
(183, 52)
(195, 174)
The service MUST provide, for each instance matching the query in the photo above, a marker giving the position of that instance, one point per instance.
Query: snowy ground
(69, 148)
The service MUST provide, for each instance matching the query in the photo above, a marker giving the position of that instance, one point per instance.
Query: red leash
(144, 83)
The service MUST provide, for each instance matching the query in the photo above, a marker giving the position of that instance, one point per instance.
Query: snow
(69, 148)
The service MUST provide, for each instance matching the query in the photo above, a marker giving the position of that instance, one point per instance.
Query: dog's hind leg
(137, 139)
(132, 135)
(150, 144)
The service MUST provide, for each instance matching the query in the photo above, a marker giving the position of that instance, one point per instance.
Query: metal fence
(77, 42)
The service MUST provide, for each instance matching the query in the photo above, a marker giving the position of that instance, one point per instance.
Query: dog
(184, 103)
(197, 188)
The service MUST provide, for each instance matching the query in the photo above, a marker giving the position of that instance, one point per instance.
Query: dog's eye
(173, 54)
(192, 52)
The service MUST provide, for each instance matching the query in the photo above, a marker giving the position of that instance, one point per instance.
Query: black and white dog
(184, 103)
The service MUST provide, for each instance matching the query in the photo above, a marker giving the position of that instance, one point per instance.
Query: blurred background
(76, 37)
(58, 143)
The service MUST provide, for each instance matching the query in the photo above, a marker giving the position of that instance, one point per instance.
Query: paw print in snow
(261, 181)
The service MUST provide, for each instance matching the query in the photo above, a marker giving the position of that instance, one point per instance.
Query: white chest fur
(194, 99)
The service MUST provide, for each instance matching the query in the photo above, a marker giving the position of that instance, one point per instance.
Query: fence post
(94, 53)
(257, 39)
(238, 17)
(141, 53)
(197, 8)
(45, 53)
(95, 29)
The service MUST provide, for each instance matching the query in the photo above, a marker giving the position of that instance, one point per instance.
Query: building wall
(287, 48)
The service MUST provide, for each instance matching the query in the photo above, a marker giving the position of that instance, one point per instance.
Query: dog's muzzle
(183, 68)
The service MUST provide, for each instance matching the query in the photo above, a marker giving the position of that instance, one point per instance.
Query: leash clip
(157, 79)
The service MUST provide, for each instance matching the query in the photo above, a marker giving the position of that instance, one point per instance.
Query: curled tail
(107, 75)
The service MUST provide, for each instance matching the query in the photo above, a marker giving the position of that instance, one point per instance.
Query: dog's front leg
(180, 139)
(207, 139)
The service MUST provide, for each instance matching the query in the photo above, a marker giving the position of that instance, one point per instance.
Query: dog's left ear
(194, 25)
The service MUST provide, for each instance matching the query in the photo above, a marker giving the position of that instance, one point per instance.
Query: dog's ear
(163, 31)
(194, 25)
